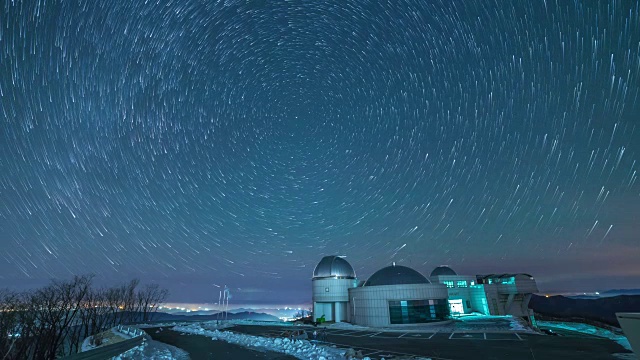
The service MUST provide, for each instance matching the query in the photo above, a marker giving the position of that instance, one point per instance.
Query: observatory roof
(396, 275)
(443, 270)
(334, 266)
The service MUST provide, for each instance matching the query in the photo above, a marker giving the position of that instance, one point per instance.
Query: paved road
(202, 347)
(108, 351)
(459, 345)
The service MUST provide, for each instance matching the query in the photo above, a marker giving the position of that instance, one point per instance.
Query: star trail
(195, 143)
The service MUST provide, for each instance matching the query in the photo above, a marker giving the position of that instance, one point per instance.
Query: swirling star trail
(237, 142)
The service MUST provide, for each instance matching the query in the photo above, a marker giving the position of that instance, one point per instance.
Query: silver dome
(443, 270)
(334, 266)
(396, 275)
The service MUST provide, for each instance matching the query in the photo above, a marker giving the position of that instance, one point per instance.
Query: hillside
(601, 309)
(161, 316)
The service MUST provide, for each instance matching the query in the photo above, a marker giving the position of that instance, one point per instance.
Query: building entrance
(456, 307)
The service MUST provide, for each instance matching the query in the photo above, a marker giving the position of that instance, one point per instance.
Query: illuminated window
(449, 283)
(473, 283)
(461, 283)
(417, 311)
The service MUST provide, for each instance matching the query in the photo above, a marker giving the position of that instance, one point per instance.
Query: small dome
(396, 275)
(443, 270)
(334, 266)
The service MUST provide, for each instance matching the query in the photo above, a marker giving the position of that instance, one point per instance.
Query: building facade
(502, 294)
(332, 278)
(398, 295)
(630, 324)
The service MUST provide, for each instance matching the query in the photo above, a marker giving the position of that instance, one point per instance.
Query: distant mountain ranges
(278, 313)
(194, 316)
(608, 293)
(599, 309)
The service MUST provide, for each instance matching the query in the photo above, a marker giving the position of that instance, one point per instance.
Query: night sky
(203, 143)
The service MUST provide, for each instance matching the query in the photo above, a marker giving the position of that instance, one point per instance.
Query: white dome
(334, 266)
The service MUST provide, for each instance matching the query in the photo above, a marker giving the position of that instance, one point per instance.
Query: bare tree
(9, 322)
(113, 301)
(53, 321)
(93, 318)
(149, 298)
(129, 309)
(57, 306)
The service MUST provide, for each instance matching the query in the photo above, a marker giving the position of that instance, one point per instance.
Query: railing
(109, 351)
(128, 330)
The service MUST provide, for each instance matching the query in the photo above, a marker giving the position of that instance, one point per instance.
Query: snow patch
(260, 323)
(588, 329)
(164, 324)
(344, 325)
(86, 345)
(154, 350)
(516, 324)
(301, 349)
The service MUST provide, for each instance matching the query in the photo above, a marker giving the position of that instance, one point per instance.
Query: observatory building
(332, 278)
(399, 295)
(496, 294)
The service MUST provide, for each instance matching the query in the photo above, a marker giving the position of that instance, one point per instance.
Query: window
(417, 311)
(509, 281)
(461, 283)
(326, 289)
(473, 283)
(449, 283)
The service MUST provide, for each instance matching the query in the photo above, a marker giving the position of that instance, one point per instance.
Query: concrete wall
(493, 299)
(330, 298)
(370, 304)
(521, 286)
(479, 300)
(630, 324)
(341, 313)
(331, 290)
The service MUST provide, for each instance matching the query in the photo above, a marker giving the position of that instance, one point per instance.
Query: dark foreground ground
(459, 345)
(203, 348)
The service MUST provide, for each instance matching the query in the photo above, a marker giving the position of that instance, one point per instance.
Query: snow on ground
(625, 356)
(111, 336)
(516, 324)
(164, 324)
(588, 329)
(121, 334)
(468, 323)
(492, 323)
(302, 349)
(86, 346)
(259, 323)
(154, 350)
(127, 332)
(346, 326)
